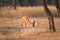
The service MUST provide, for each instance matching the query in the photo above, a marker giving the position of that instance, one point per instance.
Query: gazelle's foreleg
(32, 23)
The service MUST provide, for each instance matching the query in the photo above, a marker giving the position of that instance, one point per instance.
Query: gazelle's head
(33, 23)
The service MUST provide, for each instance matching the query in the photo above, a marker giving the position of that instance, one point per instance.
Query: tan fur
(25, 21)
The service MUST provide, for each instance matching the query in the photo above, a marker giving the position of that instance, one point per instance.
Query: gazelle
(25, 21)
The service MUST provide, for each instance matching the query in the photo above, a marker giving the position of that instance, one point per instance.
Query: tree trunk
(57, 5)
(0, 6)
(2, 3)
(14, 4)
(50, 17)
(21, 2)
(31, 2)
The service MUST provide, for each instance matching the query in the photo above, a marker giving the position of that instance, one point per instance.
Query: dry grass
(28, 11)
(12, 31)
(10, 28)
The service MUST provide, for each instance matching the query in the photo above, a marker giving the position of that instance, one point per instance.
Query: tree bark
(50, 17)
(31, 2)
(21, 2)
(57, 5)
(14, 4)
(2, 3)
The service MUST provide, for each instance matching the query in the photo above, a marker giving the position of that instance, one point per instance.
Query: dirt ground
(10, 29)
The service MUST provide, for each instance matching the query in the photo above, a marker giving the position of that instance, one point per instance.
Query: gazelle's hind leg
(23, 23)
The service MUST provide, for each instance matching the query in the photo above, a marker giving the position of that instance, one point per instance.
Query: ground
(12, 30)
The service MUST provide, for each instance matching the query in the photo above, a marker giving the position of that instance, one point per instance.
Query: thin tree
(57, 5)
(14, 4)
(2, 3)
(50, 17)
(21, 2)
(31, 2)
(0, 6)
